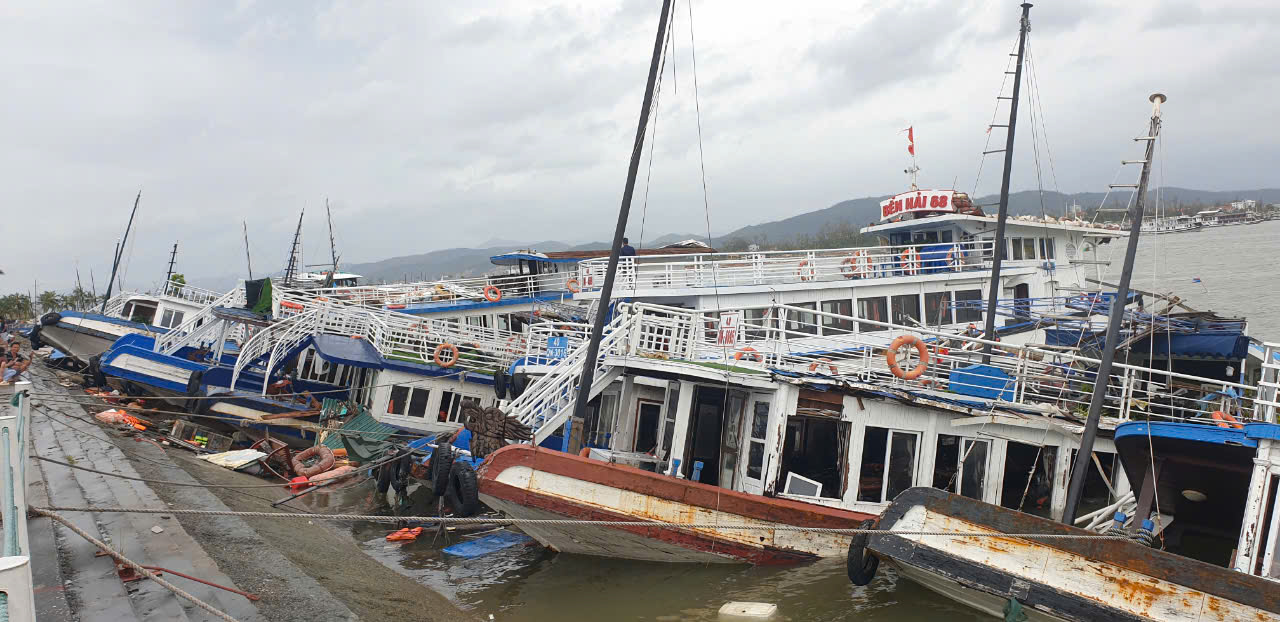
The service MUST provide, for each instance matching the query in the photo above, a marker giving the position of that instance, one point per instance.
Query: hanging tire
(400, 472)
(441, 464)
(500, 383)
(519, 381)
(861, 563)
(194, 384)
(464, 491)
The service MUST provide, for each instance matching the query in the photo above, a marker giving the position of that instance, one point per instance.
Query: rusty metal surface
(1142, 574)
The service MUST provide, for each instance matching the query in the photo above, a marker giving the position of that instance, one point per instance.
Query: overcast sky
(430, 125)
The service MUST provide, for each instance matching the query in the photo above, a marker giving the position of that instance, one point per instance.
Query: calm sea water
(1239, 277)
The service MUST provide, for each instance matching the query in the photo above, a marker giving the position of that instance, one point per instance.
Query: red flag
(911, 140)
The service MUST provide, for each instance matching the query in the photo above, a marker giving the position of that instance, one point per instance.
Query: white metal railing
(446, 292)
(15, 563)
(1267, 404)
(1054, 381)
(190, 293)
(773, 267)
(115, 306)
(201, 328)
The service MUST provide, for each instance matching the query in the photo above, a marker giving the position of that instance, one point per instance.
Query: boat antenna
(997, 251)
(333, 246)
(291, 268)
(606, 293)
(247, 259)
(1080, 469)
(168, 275)
(115, 261)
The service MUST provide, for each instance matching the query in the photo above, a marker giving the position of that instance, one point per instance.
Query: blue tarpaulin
(982, 381)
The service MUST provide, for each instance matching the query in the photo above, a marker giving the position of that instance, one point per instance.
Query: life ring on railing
(572, 286)
(1225, 420)
(321, 299)
(818, 363)
(289, 304)
(805, 270)
(953, 257)
(451, 361)
(319, 451)
(910, 261)
(855, 265)
(891, 356)
(492, 293)
(748, 352)
(395, 306)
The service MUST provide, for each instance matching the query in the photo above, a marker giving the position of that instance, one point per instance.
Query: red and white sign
(727, 335)
(917, 201)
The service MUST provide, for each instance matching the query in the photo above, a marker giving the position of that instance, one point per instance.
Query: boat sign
(557, 347)
(917, 201)
(728, 333)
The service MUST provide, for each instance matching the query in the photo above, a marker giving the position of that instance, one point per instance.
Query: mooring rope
(130, 563)
(555, 522)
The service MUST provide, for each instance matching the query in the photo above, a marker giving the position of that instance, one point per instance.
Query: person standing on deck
(627, 250)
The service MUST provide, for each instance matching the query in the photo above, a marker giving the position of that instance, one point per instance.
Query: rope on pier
(549, 522)
(159, 481)
(130, 563)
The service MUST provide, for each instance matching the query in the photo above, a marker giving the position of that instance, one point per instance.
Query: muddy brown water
(531, 583)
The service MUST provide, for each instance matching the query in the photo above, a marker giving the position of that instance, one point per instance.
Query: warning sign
(727, 335)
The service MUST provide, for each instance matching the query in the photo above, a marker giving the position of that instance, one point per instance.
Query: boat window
(888, 463)
(955, 453)
(451, 405)
(906, 309)
(966, 313)
(937, 308)
(946, 236)
(478, 320)
(837, 325)
(1029, 247)
(418, 403)
(669, 424)
(647, 419)
(816, 448)
(872, 309)
(307, 365)
(899, 239)
(333, 373)
(757, 323)
(399, 399)
(987, 245)
(600, 418)
(757, 433)
(1097, 492)
(1023, 461)
(924, 237)
(801, 322)
(1017, 248)
(346, 375)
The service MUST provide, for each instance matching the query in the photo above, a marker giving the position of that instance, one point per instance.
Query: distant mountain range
(860, 212)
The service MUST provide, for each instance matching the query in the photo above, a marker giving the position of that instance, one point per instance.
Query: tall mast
(247, 259)
(333, 247)
(291, 268)
(1080, 469)
(997, 252)
(115, 261)
(606, 294)
(168, 275)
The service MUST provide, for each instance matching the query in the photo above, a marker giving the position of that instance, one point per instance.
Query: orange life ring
(805, 270)
(395, 306)
(910, 261)
(1225, 420)
(319, 451)
(832, 366)
(855, 265)
(572, 286)
(585, 453)
(453, 360)
(748, 352)
(321, 299)
(289, 304)
(492, 294)
(953, 257)
(891, 355)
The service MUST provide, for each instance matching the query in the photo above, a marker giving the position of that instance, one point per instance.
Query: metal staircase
(1267, 403)
(275, 340)
(547, 403)
(203, 328)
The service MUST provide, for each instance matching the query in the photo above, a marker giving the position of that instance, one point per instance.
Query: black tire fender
(861, 563)
(95, 371)
(464, 491)
(50, 318)
(194, 385)
(500, 383)
(440, 467)
(384, 477)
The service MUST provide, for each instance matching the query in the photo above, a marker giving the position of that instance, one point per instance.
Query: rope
(130, 563)
(554, 522)
(157, 481)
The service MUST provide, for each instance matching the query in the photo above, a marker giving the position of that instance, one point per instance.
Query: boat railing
(1267, 403)
(845, 348)
(446, 292)
(115, 306)
(774, 267)
(15, 552)
(190, 293)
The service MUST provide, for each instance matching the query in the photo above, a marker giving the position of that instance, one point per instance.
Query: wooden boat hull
(523, 481)
(1067, 579)
(84, 336)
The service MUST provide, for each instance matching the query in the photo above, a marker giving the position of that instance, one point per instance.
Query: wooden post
(1146, 497)
(575, 434)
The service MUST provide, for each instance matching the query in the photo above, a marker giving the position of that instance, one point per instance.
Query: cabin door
(755, 430)
(731, 437)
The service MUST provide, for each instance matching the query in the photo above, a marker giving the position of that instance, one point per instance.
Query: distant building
(1246, 204)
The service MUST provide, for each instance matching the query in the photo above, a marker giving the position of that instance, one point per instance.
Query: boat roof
(680, 248)
(320, 276)
(933, 221)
